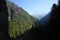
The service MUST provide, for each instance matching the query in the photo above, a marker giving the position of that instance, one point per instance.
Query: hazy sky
(35, 7)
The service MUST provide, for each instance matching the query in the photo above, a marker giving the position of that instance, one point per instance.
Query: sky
(35, 7)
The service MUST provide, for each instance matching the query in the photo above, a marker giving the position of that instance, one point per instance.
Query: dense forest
(19, 20)
(17, 24)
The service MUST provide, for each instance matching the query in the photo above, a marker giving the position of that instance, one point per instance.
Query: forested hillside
(19, 20)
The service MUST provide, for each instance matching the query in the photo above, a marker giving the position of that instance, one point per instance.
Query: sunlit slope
(19, 20)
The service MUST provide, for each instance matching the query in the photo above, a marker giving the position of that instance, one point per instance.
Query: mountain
(45, 19)
(19, 20)
(38, 16)
(49, 26)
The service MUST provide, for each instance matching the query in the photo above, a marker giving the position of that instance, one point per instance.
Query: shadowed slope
(3, 20)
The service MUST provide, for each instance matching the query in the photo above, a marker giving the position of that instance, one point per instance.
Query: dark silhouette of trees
(3, 20)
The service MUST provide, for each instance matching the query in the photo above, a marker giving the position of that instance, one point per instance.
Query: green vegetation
(19, 20)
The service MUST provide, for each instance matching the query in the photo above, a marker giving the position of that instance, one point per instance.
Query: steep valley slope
(19, 20)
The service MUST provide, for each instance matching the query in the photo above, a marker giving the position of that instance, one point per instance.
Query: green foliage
(21, 21)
